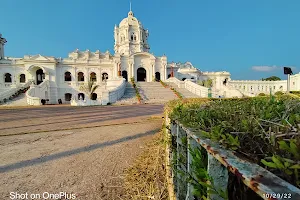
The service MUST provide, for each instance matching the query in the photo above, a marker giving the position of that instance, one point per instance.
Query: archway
(80, 76)
(94, 96)
(7, 78)
(80, 96)
(93, 77)
(169, 75)
(225, 81)
(68, 76)
(22, 78)
(104, 76)
(68, 96)
(39, 76)
(183, 79)
(141, 74)
(124, 75)
(157, 76)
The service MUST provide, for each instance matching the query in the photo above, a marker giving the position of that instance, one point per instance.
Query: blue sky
(250, 39)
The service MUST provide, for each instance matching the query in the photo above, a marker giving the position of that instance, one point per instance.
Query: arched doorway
(157, 76)
(104, 76)
(225, 81)
(141, 74)
(22, 78)
(169, 76)
(94, 96)
(124, 75)
(81, 96)
(40, 76)
(68, 96)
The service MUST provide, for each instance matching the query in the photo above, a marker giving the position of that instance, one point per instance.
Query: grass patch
(146, 178)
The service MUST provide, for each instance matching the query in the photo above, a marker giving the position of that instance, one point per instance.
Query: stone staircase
(154, 92)
(184, 92)
(20, 100)
(129, 96)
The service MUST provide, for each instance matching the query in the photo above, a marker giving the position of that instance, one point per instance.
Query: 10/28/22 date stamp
(278, 195)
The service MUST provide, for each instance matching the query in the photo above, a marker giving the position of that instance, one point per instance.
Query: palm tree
(89, 88)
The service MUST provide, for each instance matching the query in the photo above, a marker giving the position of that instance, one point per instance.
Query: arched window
(80, 76)
(68, 97)
(81, 96)
(93, 77)
(131, 37)
(104, 76)
(94, 96)
(7, 78)
(22, 78)
(68, 76)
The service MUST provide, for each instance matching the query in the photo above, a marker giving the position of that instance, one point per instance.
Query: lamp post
(288, 71)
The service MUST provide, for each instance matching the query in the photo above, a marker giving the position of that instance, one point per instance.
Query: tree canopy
(271, 78)
(206, 83)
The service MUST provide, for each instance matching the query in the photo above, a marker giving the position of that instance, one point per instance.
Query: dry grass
(146, 179)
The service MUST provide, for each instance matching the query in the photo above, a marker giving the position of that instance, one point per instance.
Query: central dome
(130, 20)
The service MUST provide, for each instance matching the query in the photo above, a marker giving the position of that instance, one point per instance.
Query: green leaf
(287, 164)
(277, 162)
(297, 166)
(288, 172)
(269, 164)
(294, 149)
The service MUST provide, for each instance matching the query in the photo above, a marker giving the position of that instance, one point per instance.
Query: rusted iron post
(192, 144)
(177, 163)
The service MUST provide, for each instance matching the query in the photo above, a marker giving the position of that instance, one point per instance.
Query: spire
(130, 12)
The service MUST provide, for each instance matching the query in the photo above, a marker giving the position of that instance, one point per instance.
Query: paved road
(86, 162)
(47, 118)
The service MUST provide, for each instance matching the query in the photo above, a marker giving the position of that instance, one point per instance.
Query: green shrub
(262, 129)
(279, 93)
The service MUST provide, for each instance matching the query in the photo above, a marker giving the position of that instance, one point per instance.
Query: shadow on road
(40, 160)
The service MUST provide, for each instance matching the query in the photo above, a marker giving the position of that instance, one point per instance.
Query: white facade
(57, 78)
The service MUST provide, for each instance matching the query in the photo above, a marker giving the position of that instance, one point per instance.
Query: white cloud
(269, 68)
(265, 68)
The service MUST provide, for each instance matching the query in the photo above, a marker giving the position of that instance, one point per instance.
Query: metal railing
(220, 164)
(8, 93)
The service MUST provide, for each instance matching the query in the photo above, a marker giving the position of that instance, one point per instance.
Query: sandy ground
(86, 162)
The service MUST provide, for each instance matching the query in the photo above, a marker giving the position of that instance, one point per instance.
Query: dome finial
(130, 10)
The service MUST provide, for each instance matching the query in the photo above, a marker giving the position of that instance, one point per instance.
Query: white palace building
(57, 79)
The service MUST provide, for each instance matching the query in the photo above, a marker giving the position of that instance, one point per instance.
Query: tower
(2, 43)
(130, 36)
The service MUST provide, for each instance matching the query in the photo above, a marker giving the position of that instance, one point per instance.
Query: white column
(133, 72)
(153, 72)
(165, 72)
(86, 75)
(128, 71)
